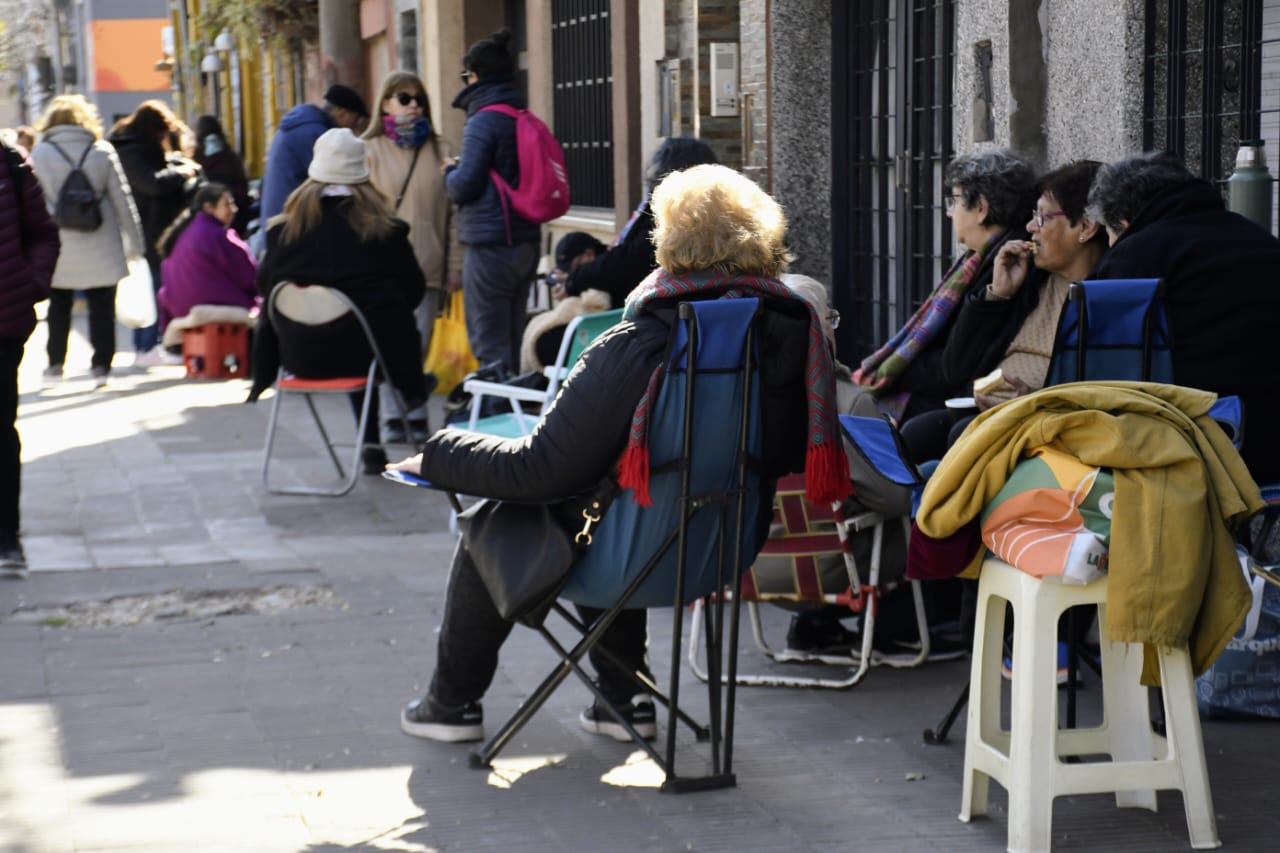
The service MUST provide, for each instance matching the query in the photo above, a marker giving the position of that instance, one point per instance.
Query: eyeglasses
(833, 317)
(952, 200)
(1039, 216)
(465, 74)
(404, 99)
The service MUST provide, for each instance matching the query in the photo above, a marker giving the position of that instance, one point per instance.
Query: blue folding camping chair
(695, 539)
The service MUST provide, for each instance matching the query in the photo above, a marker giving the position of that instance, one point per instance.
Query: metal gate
(893, 63)
(1203, 80)
(582, 74)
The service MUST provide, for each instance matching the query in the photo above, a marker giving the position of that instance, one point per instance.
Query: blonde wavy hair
(73, 110)
(392, 83)
(710, 217)
(366, 210)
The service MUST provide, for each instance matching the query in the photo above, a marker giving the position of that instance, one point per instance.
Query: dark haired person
(291, 147)
(988, 196)
(1219, 270)
(204, 262)
(223, 165)
(28, 254)
(1012, 323)
(501, 246)
(631, 256)
(162, 179)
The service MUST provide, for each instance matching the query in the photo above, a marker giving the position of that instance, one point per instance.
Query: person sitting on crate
(338, 231)
(718, 235)
(204, 263)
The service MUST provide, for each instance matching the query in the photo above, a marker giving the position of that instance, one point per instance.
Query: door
(893, 62)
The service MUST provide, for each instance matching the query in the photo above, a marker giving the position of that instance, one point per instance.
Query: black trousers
(102, 324)
(473, 633)
(10, 445)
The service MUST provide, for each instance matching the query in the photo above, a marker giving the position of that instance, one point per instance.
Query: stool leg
(1033, 750)
(1127, 712)
(983, 715)
(1186, 745)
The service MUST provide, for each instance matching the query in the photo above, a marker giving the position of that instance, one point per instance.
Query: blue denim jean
(495, 288)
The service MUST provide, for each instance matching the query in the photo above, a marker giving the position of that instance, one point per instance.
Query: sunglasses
(404, 99)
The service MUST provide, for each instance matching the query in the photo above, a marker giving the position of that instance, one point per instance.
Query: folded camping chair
(320, 308)
(696, 537)
(578, 335)
(805, 540)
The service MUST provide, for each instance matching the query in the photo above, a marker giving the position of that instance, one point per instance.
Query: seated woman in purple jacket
(204, 262)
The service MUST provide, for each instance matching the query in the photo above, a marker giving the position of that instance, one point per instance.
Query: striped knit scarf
(826, 468)
(884, 366)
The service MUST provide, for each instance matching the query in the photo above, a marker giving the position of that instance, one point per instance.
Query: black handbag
(524, 552)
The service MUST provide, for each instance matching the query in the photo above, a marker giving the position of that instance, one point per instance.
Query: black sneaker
(424, 718)
(393, 432)
(598, 719)
(12, 559)
(816, 636)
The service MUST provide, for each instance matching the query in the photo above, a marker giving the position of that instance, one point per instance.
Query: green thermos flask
(1249, 187)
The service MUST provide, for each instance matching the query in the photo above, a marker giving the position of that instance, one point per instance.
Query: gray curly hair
(1121, 189)
(1007, 181)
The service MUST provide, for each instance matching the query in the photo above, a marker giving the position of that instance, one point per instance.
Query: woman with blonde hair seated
(338, 231)
(91, 260)
(718, 235)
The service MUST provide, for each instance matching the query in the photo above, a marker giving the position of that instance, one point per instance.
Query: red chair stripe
(343, 383)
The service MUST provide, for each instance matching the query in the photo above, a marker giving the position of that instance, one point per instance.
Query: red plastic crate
(216, 351)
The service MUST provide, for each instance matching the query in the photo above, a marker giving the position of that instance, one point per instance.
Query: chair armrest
(482, 388)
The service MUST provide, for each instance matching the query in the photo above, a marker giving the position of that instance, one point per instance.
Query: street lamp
(212, 66)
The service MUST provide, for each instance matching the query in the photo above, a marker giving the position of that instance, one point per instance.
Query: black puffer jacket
(582, 436)
(623, 266)
(1219, 271)
(488, 142)
(28, 245)
(160, 191)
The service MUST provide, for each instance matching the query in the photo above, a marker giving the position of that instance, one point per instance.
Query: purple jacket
(209, 265)
(28, 249)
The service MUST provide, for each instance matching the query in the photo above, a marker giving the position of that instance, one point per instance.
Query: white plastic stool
(1025, 759)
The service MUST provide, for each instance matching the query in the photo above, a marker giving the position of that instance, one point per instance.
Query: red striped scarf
(826, 467)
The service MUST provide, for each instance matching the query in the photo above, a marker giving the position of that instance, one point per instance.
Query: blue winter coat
(488, 142)
(290, 155)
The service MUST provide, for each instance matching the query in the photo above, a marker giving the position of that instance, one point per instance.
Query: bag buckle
(589, 518)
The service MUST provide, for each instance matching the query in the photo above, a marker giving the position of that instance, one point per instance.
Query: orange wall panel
(125, 53)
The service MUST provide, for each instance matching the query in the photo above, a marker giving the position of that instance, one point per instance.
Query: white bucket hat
(338, 158)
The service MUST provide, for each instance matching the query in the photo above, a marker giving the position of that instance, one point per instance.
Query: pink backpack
(543, 191)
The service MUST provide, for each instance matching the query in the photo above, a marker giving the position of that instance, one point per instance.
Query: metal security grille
(583, 99)
(1203, 80)
(891, 99)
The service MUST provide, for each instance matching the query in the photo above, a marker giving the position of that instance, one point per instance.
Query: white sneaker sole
(441, 732)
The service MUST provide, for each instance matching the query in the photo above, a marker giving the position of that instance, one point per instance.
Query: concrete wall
(1089, 102)
(800, 127)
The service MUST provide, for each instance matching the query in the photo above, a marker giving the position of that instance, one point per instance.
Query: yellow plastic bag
(449, 356)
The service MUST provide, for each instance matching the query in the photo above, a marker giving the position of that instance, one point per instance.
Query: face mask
(213, 145)
(407, 132)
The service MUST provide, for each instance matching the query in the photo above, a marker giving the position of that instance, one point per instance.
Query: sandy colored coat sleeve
(425, 207)
(1180, 485)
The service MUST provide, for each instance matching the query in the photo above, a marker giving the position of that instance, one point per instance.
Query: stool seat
(1025, 759)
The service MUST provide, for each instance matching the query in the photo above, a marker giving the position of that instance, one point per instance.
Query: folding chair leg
(324, 435)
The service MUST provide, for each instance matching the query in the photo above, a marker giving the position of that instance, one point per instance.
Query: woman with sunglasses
(405, 154)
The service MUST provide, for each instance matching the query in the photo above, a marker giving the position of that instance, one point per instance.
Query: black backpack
(77, 207)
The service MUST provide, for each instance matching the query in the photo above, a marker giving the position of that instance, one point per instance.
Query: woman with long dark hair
(222, 164)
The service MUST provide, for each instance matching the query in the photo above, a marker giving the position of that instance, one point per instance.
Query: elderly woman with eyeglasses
(405, 155)
(927, 362)
(1011, 323)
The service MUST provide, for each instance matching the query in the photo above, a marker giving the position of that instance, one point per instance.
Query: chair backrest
(1113, 329)
(704, 426)
(578, 335)
(328, 311)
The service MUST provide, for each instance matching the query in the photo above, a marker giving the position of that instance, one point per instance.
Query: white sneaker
(154, 357)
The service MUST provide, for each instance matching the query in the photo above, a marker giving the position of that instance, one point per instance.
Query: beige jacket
(425, 207)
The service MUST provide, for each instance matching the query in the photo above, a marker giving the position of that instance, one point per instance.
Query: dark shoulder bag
(524, 552)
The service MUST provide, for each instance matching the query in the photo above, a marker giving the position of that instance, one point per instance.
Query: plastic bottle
(1249, 187)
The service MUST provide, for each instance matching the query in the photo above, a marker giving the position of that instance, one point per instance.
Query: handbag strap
(405, 186)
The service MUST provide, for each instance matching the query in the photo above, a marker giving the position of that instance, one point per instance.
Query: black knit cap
(492, 56)
(573, 244)
(346, 98)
